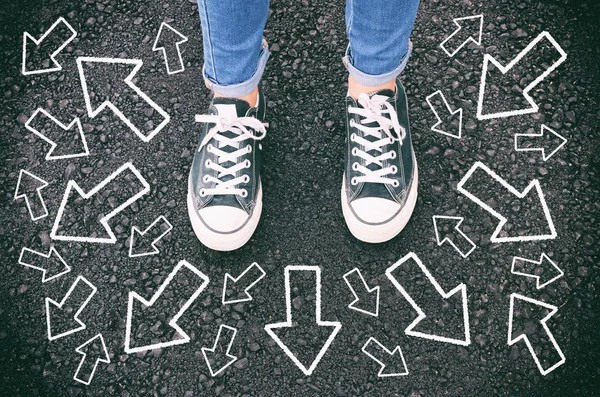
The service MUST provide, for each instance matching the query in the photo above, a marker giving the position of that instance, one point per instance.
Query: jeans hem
(375, 79)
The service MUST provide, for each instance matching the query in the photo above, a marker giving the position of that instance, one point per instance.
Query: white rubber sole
(224, 241)
(385, 231)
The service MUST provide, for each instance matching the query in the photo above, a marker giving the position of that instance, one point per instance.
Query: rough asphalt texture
(302, 221)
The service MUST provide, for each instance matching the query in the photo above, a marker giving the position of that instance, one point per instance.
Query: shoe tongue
(385, 92)
(231, 107)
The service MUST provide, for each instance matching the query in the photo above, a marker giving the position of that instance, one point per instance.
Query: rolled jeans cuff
(246, 87)
(375, 79)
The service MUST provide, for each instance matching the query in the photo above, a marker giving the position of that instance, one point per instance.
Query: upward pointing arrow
(52, 265)
(168, 41)
(444, 115)
(29, 188)
(60, 34)
(469, 29)
(90, 360)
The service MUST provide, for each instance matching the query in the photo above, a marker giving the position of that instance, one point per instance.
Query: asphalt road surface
(302, 223)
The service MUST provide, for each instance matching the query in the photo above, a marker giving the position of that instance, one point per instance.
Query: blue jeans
(235, 53)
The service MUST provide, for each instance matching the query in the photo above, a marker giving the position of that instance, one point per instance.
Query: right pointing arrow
(438, 104)
(469, 29)
(392, 362)
(244, 282)
(544, 142)
(449, 227)
(402, 275)
(52, 265)
(527, 267)
(366, 300)
(219, 355)
(59, 316)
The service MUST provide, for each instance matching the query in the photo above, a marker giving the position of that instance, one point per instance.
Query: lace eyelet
(244, 193)
(209, 148)
(355, 151)
(202, 192)
(246, 179)
(395, 183)
(355, 166)
(205, 178)
(353, 137)
(352, 123)
(207, 163)
(354, 181)
(247, 164)
(394, 169)
(249, 148)
(394, 155)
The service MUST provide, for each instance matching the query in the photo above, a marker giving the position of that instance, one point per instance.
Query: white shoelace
(243, 128)
(387, 131)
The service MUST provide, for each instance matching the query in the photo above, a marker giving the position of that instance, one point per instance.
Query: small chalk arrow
(144, 243)
(121, 96)
(220, 351)
(90, 360)
(60, 34)
(392, 362)
(245, 281)
(402, 280)
(301, 325)
(182, 279)
(29, 188)
(75, 300)
(444, 115)
(52, 265)
(487, 198)
(55, 135)
(168, 40)
(469, 29)
(125, 179)
(457, 239)
(526, 267)
(544, 142)
(366, 300)
(507, 77)
(531, 308)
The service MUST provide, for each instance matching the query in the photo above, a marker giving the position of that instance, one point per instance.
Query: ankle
(251, 98)
(355, 88)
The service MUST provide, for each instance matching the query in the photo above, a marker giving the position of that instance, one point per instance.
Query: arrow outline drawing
(459, 111)
(47, 256)
(541, 149)
(58, 66)
(143, 233)
(536, 277)
(164, 51)
(214, 348)
(380, 374)
(248, 298)
(457, 229)
(38, 191)
(369, 290)
(78, 350)
(470, 38)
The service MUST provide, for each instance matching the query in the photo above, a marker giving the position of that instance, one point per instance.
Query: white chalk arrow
(526, 267)
(543, 141)
(446, 113)
(55, 134)
(531, 307)
(168, 40)
(461, 243)
(533, 51)
(401, 281)
(359, 288)
(301, 324)
(245, 281)
(29, 188)
(62, 313)
(52, 265)
(469, 29)
(145, 245)
(90, 360)
(54, 35)
(220, 350)
(182, 278)
(392, 362)
(487, 198)
(133, 116)
(118, 181)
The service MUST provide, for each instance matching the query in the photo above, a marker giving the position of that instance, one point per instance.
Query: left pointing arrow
(57, 37)
(29, 188)
(52, 265)
(218, 357)
(94, 351)
(59, 318)
(168, 40)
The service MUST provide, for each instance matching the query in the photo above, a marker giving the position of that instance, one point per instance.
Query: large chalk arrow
(29, 187)
(91, 358)
(534, 52)
(61, 314)
(411, 265)
(144, 243)
(448, 224)
(168, 41)
(444, 115)
(531, 307)
(366, 300)
(119, 181)
(300, 324)
(127, 110)
(219, 354)
(52, 265)
(183, 277)
(542, 142)
(245, 281)
(469, 29)
(60, 34)
(485, 193)
(392, 362)
(527, 267)
(55, 135)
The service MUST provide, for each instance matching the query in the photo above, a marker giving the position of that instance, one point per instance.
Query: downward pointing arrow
(392, 362)
(51, 264)
(60, 33)
(469, 29)
(541, 142)
(526, 267)
(90, 360)
(29, 188)
(144, 243)
(245, 281)
(444, 115)
(412, 263)
(220, 350)
(459, 241)
(370, 296)
(83, 291)
(168, 41)
(305, 326)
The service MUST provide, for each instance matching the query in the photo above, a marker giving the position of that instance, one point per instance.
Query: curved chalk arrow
(541, 142)
(536, 45)
(33, 197)
(301, 323)
(492, 183)
(412, 260)
(86, 65)
(546, 336)
(460, 37)
(52, 265)
(221, 348)
(526, 267)
(168, 41)
(80, 288)
(358, 286)
(248, 279)
(148, 246)
(392, 362)
(115, 182)
(90, 360)
(446, 112)
(29, 41)
(36, 119)
(182, 275)
(461, 243)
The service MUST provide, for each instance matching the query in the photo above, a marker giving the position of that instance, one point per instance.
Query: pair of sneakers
(379, 188)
